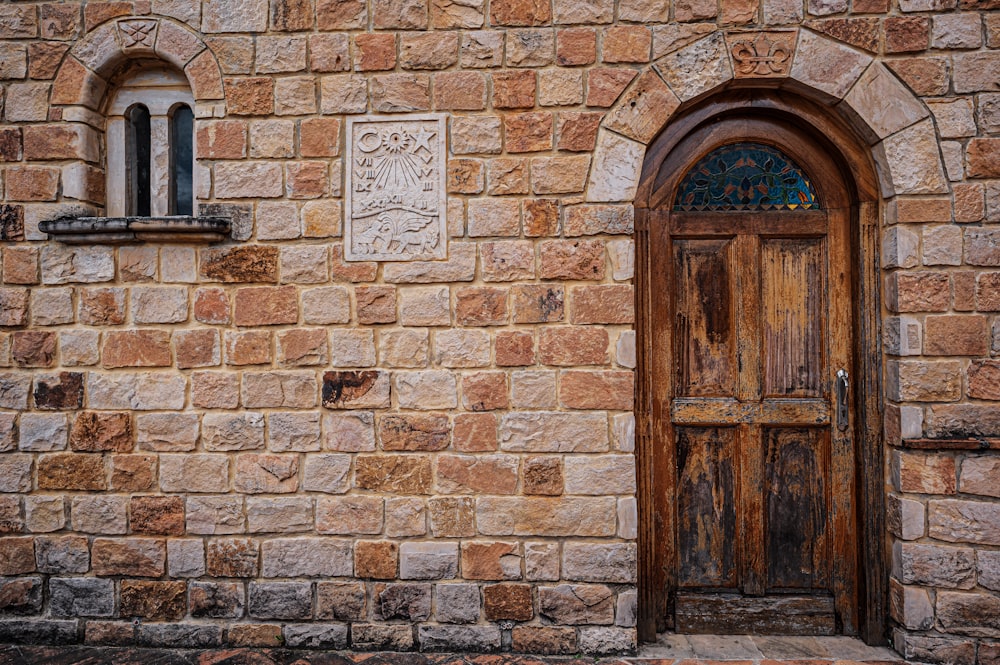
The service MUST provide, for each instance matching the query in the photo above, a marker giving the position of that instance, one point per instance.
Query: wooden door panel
(793, 299)
(704, 330)
(706, 506)
(796, 472)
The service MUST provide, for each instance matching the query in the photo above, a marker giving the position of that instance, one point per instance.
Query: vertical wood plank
(703, 322)
(793, 299)
(706, 507)
(796, 470)
(871, 455)
(843, 516)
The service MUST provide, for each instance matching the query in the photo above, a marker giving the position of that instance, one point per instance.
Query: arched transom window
(745, 176)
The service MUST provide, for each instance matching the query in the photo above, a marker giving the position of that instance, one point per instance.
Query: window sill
(132, 230)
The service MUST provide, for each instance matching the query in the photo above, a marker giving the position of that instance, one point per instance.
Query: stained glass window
(746, 176)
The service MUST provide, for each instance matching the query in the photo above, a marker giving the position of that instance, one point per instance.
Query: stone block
(381, 637)
(457, 603)
(475, 639)
(266, 474)
(553, 432)
(185, 557)
(934, 565)
(377, 559)
(347, 515)
(479, 474)
(81, 597)
(342, 601)
(306, 557)
(228, 432)
(157, 515)
(217, 600)
(132, 557)
(156, 601)
(544, 640)
(572, 604)
(590, 562)
(232, 557)
(548, 516)
(406, 601)
(428, 560)
(608, 640)
(355, 389)
(280, 514)
(71, 471)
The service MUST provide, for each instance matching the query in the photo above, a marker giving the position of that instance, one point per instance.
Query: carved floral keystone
(762, 54)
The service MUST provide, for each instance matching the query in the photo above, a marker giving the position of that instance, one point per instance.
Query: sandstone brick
(263, 305)
(133, 557)
(544, 640)
(355, 389)
(410, 474)
(222, 600)
(157, 601)
(577, 604)
(192, 473)
(452, 348)
(427, 432)
(474, 432)
(375, 559)
(404, 348)
(571, 259)
(344, 93)
(576, 46)
(533, 389)
(490, 561)
(17, 556)
(543, 476)
(514, 349)
(475, 134)
(405, 601)
(955, 335)
(450, 517)
(375, 304)
(934, 565)
(197, 348)
(459, 91)
(508, 601)
(133, 473)
(569, 346)
(514, 89)
(913, 380)
(405, 516)
(349, 431)
(350, 515)
(490, 474)
(30, 183)
(215, 515)
(87, 597)
(528, 132)
(232, 557)
(596, 390)
(44, 514)
(70, 471)
(520, 13)
(981, 156)
(266, 474)
(280, 600)
(64, 141)
(167, 432)
(300, 432)
(923, 291)
(448, 14)
(157, 515)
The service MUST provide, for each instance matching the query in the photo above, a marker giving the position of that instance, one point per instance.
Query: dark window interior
(181, 161)
(137, 139)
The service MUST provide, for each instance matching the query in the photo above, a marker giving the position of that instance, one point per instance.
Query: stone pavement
(669, 650)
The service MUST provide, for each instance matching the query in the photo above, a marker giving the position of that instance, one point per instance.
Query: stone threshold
(725, 648)
(673, 648)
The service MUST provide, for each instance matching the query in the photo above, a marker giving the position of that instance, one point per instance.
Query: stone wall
(262, 443)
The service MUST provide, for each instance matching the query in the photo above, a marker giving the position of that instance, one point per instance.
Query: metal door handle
(843, 412)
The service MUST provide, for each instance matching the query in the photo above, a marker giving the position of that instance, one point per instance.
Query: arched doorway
(761, 482)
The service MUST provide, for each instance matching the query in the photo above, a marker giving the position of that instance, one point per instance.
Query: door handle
(842, 390)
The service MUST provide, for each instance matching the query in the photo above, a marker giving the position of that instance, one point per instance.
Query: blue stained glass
(745, 176)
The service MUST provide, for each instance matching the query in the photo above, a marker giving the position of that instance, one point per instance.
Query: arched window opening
(745, 176)
(150, 146)
(181, 161)
(137, 145)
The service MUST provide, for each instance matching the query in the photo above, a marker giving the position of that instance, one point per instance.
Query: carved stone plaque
(396, 201)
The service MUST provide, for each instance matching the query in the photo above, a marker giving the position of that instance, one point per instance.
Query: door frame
(656, 534)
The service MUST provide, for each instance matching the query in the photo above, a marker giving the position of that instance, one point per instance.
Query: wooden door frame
(656, 531)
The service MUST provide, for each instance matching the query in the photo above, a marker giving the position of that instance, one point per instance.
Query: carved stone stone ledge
(131, 230)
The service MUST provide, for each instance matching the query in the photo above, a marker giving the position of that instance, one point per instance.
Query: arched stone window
(150, 127)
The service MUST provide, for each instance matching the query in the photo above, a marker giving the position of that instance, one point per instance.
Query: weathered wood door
(750, 262)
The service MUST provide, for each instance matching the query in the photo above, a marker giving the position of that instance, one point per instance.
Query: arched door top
(894, 125)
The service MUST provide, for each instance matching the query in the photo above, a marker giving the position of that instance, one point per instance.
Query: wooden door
(752, 315)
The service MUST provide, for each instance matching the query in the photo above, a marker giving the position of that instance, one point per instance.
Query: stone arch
(84, 75)
(896, 125)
